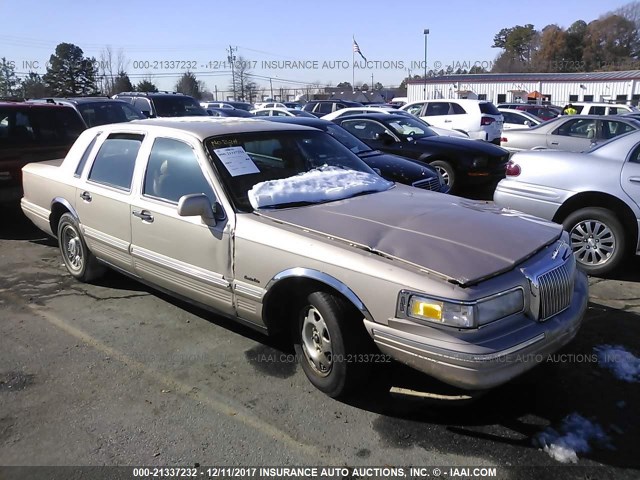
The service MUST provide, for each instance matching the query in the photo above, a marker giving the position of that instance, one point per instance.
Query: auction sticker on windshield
(236, 160)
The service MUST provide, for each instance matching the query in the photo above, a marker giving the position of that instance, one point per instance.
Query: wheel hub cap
(316, 342)
(593, 242)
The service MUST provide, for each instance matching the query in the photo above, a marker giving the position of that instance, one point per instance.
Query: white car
(262, 105)
(216, 105)
(281, 112)
(390, 110)
(480, 119)
(594, 108)
(518, 119)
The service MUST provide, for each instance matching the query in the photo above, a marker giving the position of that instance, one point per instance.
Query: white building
(556, 88)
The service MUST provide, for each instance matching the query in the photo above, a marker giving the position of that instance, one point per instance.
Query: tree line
(70, 73)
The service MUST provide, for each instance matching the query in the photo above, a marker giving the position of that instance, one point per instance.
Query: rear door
(630, 175)
(437, 114)
(187, 255)
(104, 196)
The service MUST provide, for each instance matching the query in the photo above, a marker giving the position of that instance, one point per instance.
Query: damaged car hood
(462, 240)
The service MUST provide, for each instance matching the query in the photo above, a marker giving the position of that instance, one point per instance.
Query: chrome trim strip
(248, 290)
(105, 238)
(303, 272)
(180, 267)
(35, 209)
(451, 354)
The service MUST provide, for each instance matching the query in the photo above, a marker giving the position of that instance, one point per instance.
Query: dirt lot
(118, 374)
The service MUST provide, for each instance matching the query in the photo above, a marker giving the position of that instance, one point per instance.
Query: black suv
(163, 104)
(97, 110)
(32, 132)
(322, 107)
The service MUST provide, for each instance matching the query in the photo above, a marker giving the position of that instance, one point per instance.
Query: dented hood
(462, 240)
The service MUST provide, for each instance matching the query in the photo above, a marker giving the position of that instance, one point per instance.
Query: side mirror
(527, 123)
(377, 170)
(146, 113)
(385, 137)
(197, 205)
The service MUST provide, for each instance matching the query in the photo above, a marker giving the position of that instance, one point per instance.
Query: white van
(479, 119)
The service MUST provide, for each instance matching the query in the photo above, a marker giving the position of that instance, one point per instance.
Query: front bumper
(520, 349)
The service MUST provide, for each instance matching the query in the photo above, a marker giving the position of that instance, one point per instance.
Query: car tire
(78, 259)
(597, 239)
(446, 170)
(331, 344)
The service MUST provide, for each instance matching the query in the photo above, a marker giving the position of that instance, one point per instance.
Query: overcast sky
(318, 33)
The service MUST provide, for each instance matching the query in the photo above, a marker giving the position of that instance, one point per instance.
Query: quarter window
(457, 109)
(85, 156)
(116, 160)
(415, 109)
(173, 171)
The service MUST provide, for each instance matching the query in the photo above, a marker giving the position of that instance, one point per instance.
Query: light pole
(426, 35)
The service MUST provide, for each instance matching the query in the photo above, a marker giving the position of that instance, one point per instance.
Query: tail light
(487, 120)
(504, 140)
(513, 169)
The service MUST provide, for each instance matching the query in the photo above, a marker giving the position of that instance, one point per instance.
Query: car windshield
(410, 127)
(352, 142)
(177, 106)
(102, 113)
(270, 163)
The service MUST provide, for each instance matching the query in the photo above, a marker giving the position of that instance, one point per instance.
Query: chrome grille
(428, 184)
(555, 290)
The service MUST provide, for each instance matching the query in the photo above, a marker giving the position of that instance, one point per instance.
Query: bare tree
(242, 83)
(110, 66)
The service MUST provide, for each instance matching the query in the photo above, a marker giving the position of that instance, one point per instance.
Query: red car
(544, 112)
(32, 133)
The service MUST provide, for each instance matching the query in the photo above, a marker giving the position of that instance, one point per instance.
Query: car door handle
(554, 143)
(144, 215)
(634, 179)
(447, 121)
(86, 196)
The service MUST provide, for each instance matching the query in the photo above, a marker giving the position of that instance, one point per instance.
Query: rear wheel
(597, 239)
(80, 262)
(331, 344)
(446, 171)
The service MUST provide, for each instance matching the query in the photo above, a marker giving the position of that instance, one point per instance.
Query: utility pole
(271, 86)
(216, 89)
(232, 60)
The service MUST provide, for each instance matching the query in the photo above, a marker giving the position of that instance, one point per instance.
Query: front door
(574, 135)
(187, 255)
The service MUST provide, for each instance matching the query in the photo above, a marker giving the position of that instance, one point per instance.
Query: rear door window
(437, 108)
(116, 160)
(59, 126)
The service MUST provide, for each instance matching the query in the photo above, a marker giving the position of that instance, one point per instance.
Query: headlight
(479, 162)
(500, 306)
(461, 315)
(454, 314)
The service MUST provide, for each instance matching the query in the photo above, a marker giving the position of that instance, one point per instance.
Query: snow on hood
(574, 436)
(315, 186)
(624, 364)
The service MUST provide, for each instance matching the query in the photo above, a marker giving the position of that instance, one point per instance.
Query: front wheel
(80, 262)
(446, 171)
(331, 344)
(597, 239)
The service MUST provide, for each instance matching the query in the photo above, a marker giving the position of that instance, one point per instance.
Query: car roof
(308, 121)
(205, 127)
(373, 116)
(19, 105)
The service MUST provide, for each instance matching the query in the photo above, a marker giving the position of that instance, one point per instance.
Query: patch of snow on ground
(624, 364)
(319, 185)
(574, 437)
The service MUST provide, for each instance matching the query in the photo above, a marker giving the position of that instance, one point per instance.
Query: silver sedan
(572, 133)
(595, 196)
